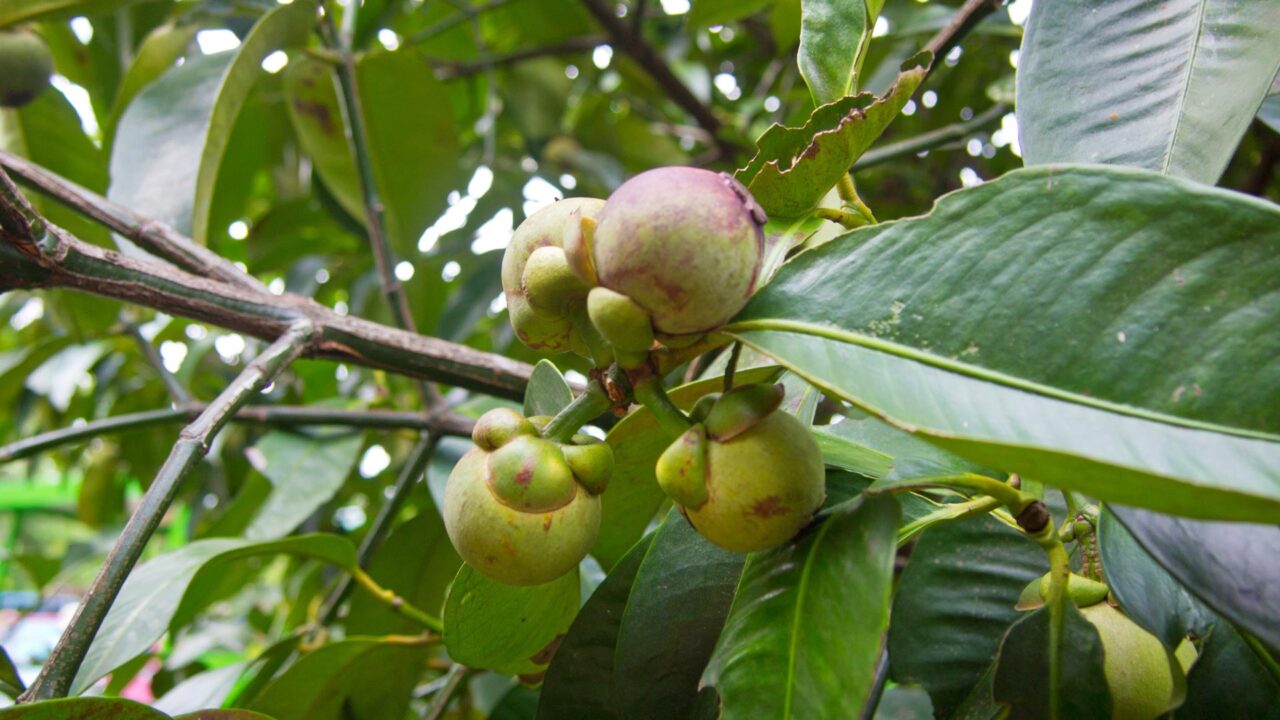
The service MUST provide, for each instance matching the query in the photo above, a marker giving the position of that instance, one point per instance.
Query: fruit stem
(849, 194)
(397, 604)
(592, 403)
(653, 395)
(1059, 572)
(847, 219)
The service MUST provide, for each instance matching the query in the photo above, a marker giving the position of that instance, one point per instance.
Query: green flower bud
(1083, 591)
(591, 462)
(508, 544)
(27, 67)
(685, 244)
(539, 329)
(754, 489)
(1145, 679)
(549, 284)
(741, 408)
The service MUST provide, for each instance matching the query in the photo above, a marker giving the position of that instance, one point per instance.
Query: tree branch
(374, 210)
(931, 139)
(449, 424)
(58, 259)
(154, 237)
(968, 16)
(193, 443)
(634, 45)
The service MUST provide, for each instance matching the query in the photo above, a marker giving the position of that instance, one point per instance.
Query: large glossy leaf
(47, 131)
(13, 12)
(1146, 592)
(1230, 566)
(154, 591)
(718, 12)
(304, 472)
(579, 682)
(157, 53)
(794, 168)
(170, 142)
(1022, 672)
(633, 496)
(677, 607)
(412, 141)
(1229, 679)
(955, 601)
(833, 38)
(1167, 86)
(203, 690)
(945, 325)
(508, 629)
(83, 709)
(806, 631)
(327, 683)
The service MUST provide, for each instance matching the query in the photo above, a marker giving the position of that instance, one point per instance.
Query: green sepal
(620, 320)
(681, 468)
(530, 474)
(498, 426)
(577, 249)
(591, 462)
(741, 408)
(1083, 592)
(702, 408)
(548, 282)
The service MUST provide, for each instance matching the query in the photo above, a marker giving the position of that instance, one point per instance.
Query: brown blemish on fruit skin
(771, 506)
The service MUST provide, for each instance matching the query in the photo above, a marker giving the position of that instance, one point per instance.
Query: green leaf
(305, 472)
(548, 392)
(10, 682)
(333, 682)
(1146, 593)
(1022, 672)
(954, 602)
(50, 379)
(1230, 566)
(676, 610)
(202, 690)
(779, 656)
(633, 496)
(579, 681)
(704, 13)
(412, 141)
(157, 53)
(82, 709)
(794, 168)
(222, 715)
(48, 132)
(833, 37)
(909, 318)
(505, 628)
(182, 124)
(1229, 678)
(155, 590)
(1169, 86)
(13, 12)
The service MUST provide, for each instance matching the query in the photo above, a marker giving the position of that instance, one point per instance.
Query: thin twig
(964, 20)
(931, 139)
(635, 46)
(397, 604)
(177, 391)
(449, 23)
(412, 471)
(375, 219)
(58, 259)
(451, 71)
(445, 424)
(440, 702)
(193, 442)
(155, 237)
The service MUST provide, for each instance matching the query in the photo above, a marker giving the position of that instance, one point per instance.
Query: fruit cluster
(672, 255)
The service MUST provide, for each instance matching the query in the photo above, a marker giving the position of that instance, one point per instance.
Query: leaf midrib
(801, 587)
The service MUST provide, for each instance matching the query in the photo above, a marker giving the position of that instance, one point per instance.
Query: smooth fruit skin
(763, 486)
(1144, 678)
(684, 243)
(513, 547)
(25, 67)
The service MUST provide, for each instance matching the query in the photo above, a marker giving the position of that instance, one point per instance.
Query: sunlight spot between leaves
(196, 332)
(83, 29)
(969, 177)
(229, 347)
(772, 103)
(404, 271)
(450, 271)
(374, 461)
(675, 7)
(497, 305)
(275, 62)
(172, 353)
(389, 39)
(568, 182)
(881, 27)
(216, 41)
(909, 108)
(929, 99)
(495, 233)
(79, 99)
(276, 286)
(238, 230)
(1019, 11)
(31, 311)
(349, 517)
(601, 56)
(538, 193)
